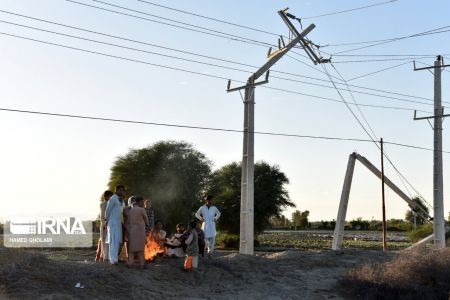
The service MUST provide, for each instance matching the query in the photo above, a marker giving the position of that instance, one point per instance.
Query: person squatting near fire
(175, 245)
(209, 214)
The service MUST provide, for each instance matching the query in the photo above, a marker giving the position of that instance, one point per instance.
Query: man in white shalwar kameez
(114, 223)
(209, 214)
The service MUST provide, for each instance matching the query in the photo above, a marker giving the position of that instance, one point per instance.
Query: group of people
(127, 228)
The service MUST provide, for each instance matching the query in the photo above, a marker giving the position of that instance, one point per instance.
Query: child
(192, 250)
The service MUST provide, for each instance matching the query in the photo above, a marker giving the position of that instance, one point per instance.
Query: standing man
(209, 214)
(113, 216)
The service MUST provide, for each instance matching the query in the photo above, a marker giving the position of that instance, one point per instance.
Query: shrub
(419, 274)
(227, 240)
(230, 240)
(421, 232)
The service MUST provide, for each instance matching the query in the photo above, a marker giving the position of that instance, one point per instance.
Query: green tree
(360, 224)
(420, 220)
(271, 197)
(279, 222)
(300, 219)
(296, 219)
(172, 174)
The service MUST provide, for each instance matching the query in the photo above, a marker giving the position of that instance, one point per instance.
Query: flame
(152, 248)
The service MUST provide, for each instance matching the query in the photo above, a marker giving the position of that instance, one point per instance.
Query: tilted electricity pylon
(340, 221)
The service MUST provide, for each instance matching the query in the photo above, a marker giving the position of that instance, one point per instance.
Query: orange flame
(152, 247)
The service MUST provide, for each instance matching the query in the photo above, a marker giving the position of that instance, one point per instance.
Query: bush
(398, 225)
(227, 240)
(419, 274)
(1, 228)
(230, 240)
(421, 232)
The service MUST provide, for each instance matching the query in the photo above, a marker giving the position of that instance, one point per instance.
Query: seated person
(174, 244)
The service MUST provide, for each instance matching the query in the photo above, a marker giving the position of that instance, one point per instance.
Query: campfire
(152, 248)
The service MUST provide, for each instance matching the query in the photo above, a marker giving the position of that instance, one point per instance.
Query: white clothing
(210, 244)
(113, 216)
(209, 216)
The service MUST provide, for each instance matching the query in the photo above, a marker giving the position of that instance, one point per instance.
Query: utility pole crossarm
(427, 68)
(442, 115)
(304, 43)
(278, 55)
(274, 58)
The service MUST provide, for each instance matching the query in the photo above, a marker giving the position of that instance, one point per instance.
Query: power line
(208, 18)
(205, 128)
(393, 40)
(194, 72)
(428, 32)
(401, 176)
(125, 47)
(354, 101)
(178, 125)
(194, 28)
(379, 71)
(201, 62)
(353, 91)
(204, 56)
(311, 67)
(348, 10)
(387, 55)
(126, 39)
(380, 60)
(209, 31)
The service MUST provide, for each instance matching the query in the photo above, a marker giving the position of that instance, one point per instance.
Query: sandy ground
(52, 274)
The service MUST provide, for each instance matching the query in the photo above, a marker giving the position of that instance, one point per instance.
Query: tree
(420, 220)
(172, 174)
(279, 222)
(360, 224)
(300, 219)
(296, 216)
(271, 197)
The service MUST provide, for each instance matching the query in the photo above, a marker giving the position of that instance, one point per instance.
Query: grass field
(313, 240)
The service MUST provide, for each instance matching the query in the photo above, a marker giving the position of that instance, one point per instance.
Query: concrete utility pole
(247, 182)
(343, 204)
(383, 208)
(438, 182)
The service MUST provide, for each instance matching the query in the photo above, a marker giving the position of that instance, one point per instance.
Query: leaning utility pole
(438, 182)
(247, 181)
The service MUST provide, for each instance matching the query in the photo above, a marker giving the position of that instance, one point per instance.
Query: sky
(51, 165)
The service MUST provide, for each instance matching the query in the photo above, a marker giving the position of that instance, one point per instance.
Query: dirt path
(53, 274)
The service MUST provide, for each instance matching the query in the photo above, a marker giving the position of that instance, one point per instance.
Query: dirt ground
(53, 274)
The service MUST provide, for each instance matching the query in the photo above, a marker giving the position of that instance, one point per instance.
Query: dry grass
(418, 274)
